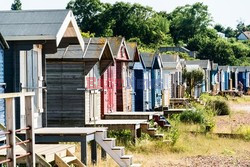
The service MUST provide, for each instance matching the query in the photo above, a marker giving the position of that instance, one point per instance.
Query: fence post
(30, 160)
(11, 126)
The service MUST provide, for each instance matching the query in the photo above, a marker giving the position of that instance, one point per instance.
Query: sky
(225, 12)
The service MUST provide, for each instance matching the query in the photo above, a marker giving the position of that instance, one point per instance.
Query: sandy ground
(240, 117)
(225, 124)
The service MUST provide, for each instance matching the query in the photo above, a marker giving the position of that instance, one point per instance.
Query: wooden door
(110, 90)
(139, 88)
(65, 94)
(31, 81)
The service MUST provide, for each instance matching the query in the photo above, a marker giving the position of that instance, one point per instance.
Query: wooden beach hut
(74, 85)
(136, 78)
(215, 78)
(206, 65)
(172, 77)
(157, 84)
(31, 34)
(147, 59)
(117, 77)
(224, 72)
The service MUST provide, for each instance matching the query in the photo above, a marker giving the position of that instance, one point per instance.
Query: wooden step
(127, 159)
(119, 150)
(69, 159)
(110, 142)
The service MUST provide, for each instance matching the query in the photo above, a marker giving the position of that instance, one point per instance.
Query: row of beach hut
(79, 80)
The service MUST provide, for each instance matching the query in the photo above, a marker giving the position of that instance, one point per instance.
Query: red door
(110, 91)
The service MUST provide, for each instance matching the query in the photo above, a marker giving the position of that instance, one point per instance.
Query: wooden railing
(11, 130)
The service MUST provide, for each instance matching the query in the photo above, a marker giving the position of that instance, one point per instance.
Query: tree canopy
(189, 26)
(17, 5)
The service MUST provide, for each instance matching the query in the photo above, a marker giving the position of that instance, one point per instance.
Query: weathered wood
(93, 152)
(10, 126)
(84, 150)
(14, 95)
(103, 154)
(30, 160)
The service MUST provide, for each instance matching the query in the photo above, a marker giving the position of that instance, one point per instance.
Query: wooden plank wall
(65, 103)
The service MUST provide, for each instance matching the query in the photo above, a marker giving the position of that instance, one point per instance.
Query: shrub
(122, 136)
(204, 117)
(220, 107)
(173, 135)
(190, 116)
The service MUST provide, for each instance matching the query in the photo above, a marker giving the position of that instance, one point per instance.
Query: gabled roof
(94, 47)
(171, 65)
(71, 52)
(93, 51)
(224, 68)
(3, 43)
(133, 53)
(30, 25)
(147, 58)
(247, 34)
(205, 64)
(215, 66)
(157, 62)
(170, 58)
(191, 67)
(116, 44)
(234, 68)
(248, 68)
(238, 68)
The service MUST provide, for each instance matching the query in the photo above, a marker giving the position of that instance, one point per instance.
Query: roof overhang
(69, 33)
(3, 42)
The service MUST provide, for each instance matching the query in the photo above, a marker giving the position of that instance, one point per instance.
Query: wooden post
(10, 126)
(30, 160)
(138, 131)
(134, 135)
(84, 147)
(93, 152)
(103, 154)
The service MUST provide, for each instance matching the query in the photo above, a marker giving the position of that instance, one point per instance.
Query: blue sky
(226, 12)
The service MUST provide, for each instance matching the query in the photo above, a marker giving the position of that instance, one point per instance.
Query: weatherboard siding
(66, 102)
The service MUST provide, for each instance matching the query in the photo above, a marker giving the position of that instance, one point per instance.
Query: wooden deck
(115, 124)
(83, 135)
(46, 150)
(67, 131)
(174, 111)
(132, 115)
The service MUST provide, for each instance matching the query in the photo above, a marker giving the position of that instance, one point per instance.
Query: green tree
(230, 33)
(85, 12)
(219, 28)
(17, 5)
(189, 20)
(192, 78)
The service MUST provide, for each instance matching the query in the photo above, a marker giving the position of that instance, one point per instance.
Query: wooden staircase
(117, 153)
(161, 121)
(145, 128)
(68, 160)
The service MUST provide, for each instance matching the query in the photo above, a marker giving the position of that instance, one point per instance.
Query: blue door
(139, 88)
(2, 85)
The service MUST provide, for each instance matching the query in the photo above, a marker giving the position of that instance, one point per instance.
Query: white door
(31, 81)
